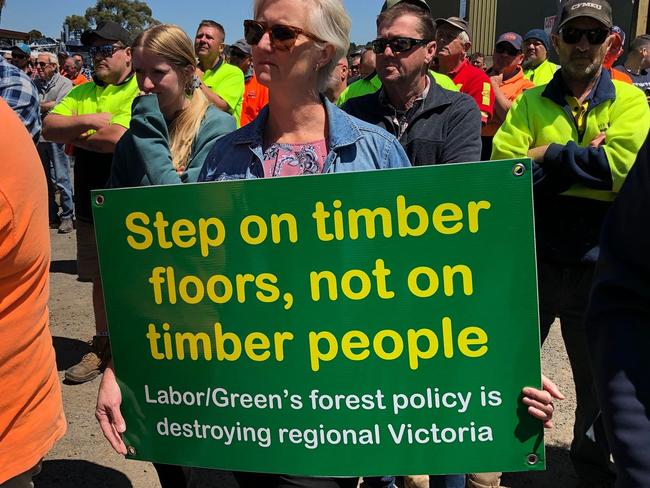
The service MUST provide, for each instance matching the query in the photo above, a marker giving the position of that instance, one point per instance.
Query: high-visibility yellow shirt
(93, 98)
(227, 81)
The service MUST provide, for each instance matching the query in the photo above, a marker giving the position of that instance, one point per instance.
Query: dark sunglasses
(506, 49)
(397, 44)
(105, 51)
(594, 36)
(42, 64)
(282, 37)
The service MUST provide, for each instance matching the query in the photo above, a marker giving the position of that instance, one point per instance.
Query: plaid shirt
(20, 94)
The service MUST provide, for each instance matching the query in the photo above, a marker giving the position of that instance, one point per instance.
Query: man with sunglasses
(93, 117)
(583, 132)
(433, 125)
(52, 87)
(454, 40)
(508, 83)
(370, 83)
(221, 83)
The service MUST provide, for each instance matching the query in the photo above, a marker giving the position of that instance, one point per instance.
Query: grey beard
(528, 64)
(585, 75)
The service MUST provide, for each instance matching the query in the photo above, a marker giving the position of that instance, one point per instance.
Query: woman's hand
(107, 412)
(540, 402)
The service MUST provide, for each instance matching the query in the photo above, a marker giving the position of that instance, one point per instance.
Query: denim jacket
(353, 146)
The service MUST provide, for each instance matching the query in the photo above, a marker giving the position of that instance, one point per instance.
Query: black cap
(458, 23)
(243, 46)
(107, 30)
(420, 3)
(599, 10)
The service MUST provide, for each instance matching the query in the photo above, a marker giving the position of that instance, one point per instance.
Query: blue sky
(47, 15)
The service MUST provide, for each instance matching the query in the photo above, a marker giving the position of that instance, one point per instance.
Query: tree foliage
(134, 15)
(76, 23)
(34, 35)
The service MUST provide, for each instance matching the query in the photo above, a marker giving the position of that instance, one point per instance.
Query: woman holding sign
(173, 127)
(295, 47)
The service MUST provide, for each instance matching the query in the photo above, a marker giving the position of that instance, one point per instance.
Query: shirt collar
(342, 131)
(461, 66)
(602, 91)
(126, 80)
(383, 98)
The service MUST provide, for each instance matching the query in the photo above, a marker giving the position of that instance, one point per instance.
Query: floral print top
(294, 159)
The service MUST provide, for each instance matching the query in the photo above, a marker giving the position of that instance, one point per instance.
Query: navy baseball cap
(511, 38)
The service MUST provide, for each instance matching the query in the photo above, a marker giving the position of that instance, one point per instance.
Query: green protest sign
(351, 324)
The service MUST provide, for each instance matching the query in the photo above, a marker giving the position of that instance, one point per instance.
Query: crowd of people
(289, 99)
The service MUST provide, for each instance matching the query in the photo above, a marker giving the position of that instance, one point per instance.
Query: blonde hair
(329, 21)
(172, 43)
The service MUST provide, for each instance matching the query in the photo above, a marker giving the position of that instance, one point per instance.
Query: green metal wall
(444, 8)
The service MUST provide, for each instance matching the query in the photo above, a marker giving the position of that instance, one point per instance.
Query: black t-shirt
(642, 80)
(91, 172)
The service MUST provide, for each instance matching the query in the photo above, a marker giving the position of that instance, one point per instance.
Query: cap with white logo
(599, 10)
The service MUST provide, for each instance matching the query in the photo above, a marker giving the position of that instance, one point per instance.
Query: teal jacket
(142, 156)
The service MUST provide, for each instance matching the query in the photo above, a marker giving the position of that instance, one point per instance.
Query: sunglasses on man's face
(42, 64)
(594, 36)
(105, 51)
(506, 49)
(397, 44)
(282, 37)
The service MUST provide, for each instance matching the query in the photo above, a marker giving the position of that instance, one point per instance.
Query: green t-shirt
(91, 98)
(370, 84)
(227, 81)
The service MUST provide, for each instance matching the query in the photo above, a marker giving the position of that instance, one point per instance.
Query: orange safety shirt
(256, 96)
(31, 409)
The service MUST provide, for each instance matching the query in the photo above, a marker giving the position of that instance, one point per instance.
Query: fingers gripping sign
(107, 411)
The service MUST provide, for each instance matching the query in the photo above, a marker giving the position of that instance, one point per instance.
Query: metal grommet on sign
(99, 200)
(518, 169)
(130, 450)
(532, 459)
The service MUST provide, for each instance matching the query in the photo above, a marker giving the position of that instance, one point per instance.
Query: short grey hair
(53, 58)
(329, 21)
(464, 37)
